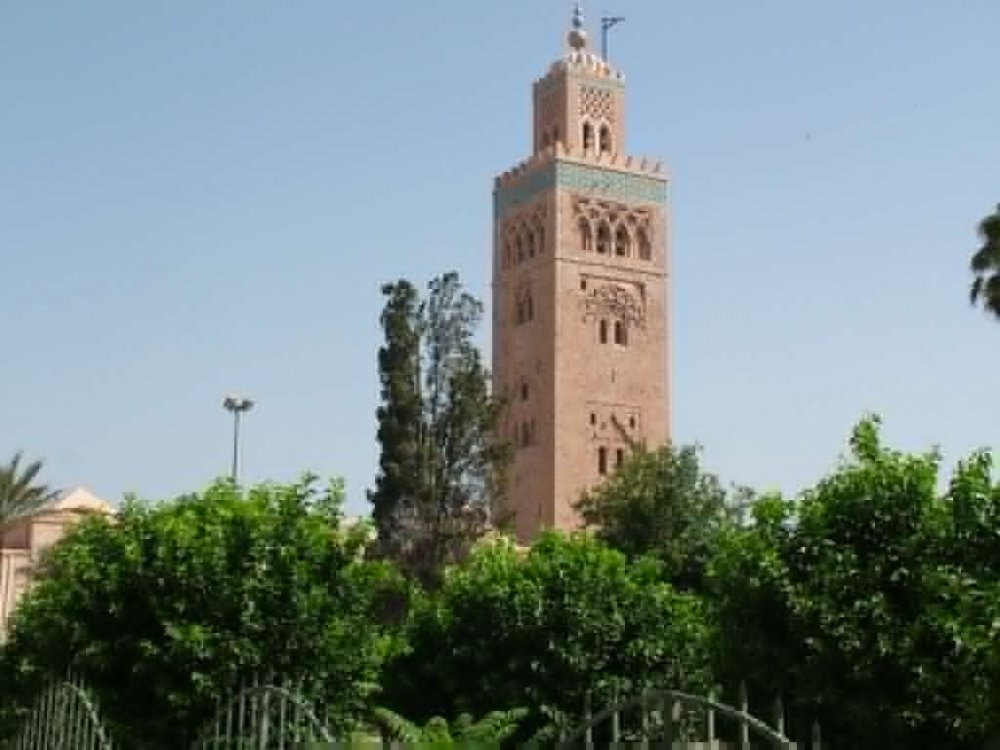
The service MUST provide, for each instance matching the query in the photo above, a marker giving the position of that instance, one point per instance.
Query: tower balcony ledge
(635, 164)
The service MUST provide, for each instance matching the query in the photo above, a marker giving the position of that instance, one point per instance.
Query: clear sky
(199, 197)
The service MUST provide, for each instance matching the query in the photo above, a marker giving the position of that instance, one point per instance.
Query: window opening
(602, 460)
(593, 419)
(524, 391)
(603, 239)
(605, 139)
(602, 331)
(623, 243)
(588, 136)
(619, 457)
(621, 333)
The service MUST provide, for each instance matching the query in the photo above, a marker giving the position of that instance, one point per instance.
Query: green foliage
(985, 266)
(441, 465)
(661, 503)
(491, 731)
(872, 599)
(545, 628)
(20, 493)
(164, 609)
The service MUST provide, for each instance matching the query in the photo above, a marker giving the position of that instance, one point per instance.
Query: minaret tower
(580, 271)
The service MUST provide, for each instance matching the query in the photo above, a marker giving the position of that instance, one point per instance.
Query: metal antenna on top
(608, 23)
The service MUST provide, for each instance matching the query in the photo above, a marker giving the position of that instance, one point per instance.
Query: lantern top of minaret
(577, 36)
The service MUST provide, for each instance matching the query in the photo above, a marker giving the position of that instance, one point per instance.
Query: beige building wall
(23, 542)
(580, 300)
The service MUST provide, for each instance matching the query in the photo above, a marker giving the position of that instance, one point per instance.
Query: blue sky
(204, 197)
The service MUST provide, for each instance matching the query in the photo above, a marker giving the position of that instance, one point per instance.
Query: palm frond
(19, 491)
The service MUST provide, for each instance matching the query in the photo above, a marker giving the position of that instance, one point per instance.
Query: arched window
(602, 331)
(605, 139)
(588, 136)
(623, 243)
(586, 236)
(621, 333)
(525, 391)
(519, 249)
(602, 460)
(645, 246)
(529, 240)
(603, 239)
(619, 457)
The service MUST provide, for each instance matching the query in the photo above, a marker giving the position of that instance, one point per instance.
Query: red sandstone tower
(580, 271)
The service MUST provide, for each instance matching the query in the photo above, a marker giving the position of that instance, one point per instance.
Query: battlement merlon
(628, 179)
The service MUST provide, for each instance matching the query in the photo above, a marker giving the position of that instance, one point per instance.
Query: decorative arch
(603, 239)
(588, 135)
(586, 235)
(623, 242)
(605, 139)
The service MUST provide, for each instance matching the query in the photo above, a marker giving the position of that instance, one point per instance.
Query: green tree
(871, 600)
(166, 608)
(985, 266)
(543, 629)
(441, 467)
(20, 493)
(663, 504)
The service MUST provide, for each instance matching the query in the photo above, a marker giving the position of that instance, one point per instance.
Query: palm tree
(19, 494)
(986, 266)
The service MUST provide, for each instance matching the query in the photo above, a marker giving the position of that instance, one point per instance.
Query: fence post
(745, 708)
(615, 721)
(779, 715)
(711, 722)
(667, 709)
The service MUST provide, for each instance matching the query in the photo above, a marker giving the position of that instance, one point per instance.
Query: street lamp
(237, 405)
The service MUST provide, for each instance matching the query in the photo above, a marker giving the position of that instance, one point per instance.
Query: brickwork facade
(580, 295)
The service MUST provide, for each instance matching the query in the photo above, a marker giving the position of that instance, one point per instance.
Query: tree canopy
(661, 503)
(985, 266)
(542, 629)
(872, 598)
(169, 606)
(442, 461)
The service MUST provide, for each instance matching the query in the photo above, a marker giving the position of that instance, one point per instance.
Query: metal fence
(65, 716)
(264, 715)
(681, 721)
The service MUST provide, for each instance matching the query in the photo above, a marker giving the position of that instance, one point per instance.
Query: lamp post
(237, 405)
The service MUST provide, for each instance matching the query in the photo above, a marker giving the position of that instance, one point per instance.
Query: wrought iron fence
(265, 715)
(681, 721)
(65, 716)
